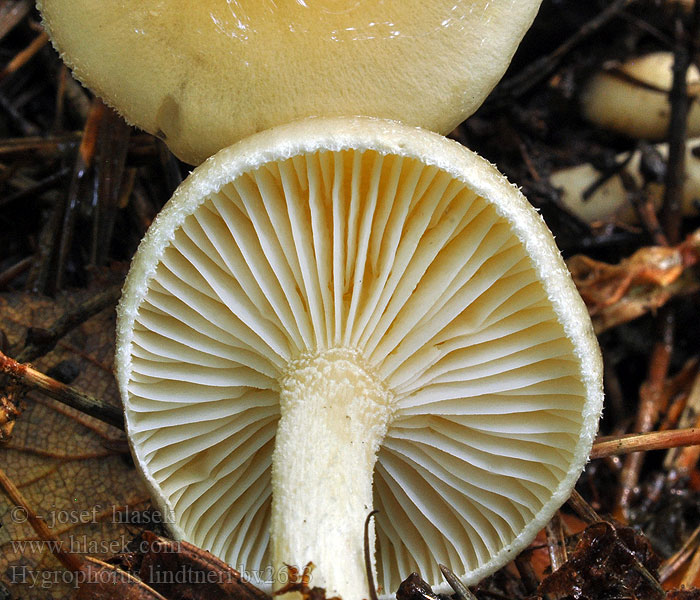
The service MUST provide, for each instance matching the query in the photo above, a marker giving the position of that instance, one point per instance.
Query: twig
(555, 542)
(527, 573)
(21, 58)
(615, 169)
(42, 341)
(36, 189)
(641, 442)
(76, 97)
(673, 196)
(32, 378)
(110, 164)
(41, 270)
(461, 591)
(61, 144)
(14, 271)
(17, 119)
(120, 583)
(582, 508)
(673, 563)
(681, 390)
(691, 574)
(651, 397)
(687, 458)
(645, 209)
(538, 70)
(70, 561)
(83, 161)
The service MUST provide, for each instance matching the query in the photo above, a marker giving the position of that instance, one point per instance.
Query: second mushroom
(346, 314)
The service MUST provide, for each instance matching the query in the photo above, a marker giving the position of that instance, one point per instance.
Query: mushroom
(593, 197)
(632, 98)
(347, 314)
(202, 75)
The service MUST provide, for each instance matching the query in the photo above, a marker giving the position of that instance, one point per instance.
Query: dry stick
(650, 397)
(76, 97)
(617, 169)
(9, 274)
(41, 270)
(675, 170)
(641, 442)
(106, 580)
(644, 208)
(527, 573)
(60, 105)
(461, 591)
(543, 67)
(83, 162)
(44, 340)
(38, 188)
(110, 164)
(23, 57)
(687, 458)
(32, 378)
(555, 541)
(674, 412)
(679, 392)
(68, 560)
(53, 145)
(17, 117)
(639, 23)
(650, 579)
(582, 508)
(691, 574)
(675, 562)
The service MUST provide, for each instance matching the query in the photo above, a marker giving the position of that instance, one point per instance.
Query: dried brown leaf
(414, 588)
(607, 563)
(71, 468)
(157, 568)
(617, 293)
(104, 581)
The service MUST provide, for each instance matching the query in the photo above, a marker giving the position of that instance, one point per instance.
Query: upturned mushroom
(202, 75)
(341, 315)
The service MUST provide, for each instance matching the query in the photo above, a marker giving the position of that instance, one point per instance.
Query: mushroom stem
(334, 416)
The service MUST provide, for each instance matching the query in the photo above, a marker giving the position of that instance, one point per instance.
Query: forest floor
(79, 188)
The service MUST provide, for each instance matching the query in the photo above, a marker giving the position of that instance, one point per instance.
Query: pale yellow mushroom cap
(205, 74)
(632, 98)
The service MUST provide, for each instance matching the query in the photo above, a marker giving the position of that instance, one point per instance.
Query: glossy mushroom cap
(342, 314)
(202, 75)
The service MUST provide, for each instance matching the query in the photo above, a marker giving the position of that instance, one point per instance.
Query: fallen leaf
(71, 468)
(414, 588)
(608, 562)
(618, 293)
